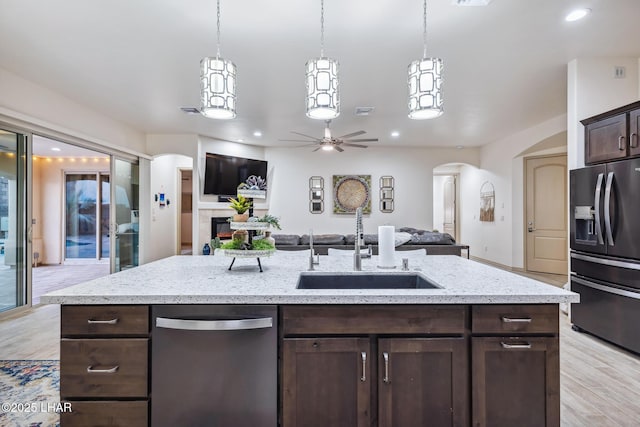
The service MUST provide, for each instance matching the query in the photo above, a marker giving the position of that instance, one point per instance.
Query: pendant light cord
(322, 28)
(218, 33)
(424, 32)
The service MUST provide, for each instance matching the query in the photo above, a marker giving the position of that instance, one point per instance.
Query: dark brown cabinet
(104, 365)
(373, 374)
(612, 135)
(516, 374)
(422, 381)
(326, 382)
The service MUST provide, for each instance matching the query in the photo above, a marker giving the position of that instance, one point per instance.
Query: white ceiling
(138, 61)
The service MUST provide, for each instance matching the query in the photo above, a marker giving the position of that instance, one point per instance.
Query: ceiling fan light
(425, 89)
(323, 94)
(327, 147)
(218, 88)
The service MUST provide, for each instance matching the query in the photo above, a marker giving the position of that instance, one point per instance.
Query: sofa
(407, 238)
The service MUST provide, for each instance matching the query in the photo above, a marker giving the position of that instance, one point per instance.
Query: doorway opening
(70, 215)
(185, 235)
(445, 200)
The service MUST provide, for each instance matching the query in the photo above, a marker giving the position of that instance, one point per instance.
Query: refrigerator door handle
(604, 288)
(607, 208)
(596, 203)
(610, 262)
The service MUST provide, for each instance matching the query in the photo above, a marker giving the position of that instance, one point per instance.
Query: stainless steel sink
(364, 281)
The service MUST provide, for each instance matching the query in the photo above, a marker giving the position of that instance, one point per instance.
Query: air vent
(190, 110)
(364, 111)
(470, 2)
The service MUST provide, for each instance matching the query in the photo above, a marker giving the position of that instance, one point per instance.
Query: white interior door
(546, 214)
(449, 203)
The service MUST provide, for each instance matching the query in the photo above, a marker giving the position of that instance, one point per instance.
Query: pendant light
(218, 84)
(425, 82)
(323, 95)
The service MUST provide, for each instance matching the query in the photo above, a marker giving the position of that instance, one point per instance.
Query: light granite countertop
(207, 280)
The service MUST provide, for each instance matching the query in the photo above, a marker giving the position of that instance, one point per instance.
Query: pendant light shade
(425, 82)
(218, 88)
(323, 93)
(218, 83)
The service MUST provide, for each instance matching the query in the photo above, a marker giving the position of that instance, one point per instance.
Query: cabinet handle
(102, 322)
(506, 319)
(634, 136)
(621, 146)
(363, 355)
(385, 356)
(113, 370)
(523, 345)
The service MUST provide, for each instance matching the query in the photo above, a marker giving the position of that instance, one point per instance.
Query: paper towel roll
(386, 246)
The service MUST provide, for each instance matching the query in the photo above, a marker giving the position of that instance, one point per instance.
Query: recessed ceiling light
(577, 14)
(257, 133)
(459, 147)
(55, 149)
(395, 134)
(240, 140)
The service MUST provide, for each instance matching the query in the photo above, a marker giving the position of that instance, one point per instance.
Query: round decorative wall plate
(351, 192)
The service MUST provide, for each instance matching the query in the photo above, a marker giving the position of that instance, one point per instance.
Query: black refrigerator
(605, 251)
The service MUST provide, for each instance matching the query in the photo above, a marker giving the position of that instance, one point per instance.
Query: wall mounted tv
(223, 174)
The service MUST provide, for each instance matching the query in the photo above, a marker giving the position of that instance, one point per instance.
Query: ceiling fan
(329, 142)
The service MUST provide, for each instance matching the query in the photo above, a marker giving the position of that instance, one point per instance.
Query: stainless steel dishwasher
(214, 365)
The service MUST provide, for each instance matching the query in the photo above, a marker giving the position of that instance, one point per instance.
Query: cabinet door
(515, 382)
(326, 382)
(634, 133)
(423, 381)
(606, 139)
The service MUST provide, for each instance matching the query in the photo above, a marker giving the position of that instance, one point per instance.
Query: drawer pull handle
(363, 378)
(91, 370)
(523, 345)
(102, 322)
(385, 356)
(506, 319)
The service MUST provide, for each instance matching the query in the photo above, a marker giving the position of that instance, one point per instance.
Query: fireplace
(220, 227)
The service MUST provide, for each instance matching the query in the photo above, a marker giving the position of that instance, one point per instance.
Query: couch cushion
(286, 239)
(432, 238)
(369, 239)
(323, 239)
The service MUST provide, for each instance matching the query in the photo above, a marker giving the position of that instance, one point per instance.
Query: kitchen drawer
(509, 319)
(104, 320)
(104, 367)
(395, 319)
(106, 413)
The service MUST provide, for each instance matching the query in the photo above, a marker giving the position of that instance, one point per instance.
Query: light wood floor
(47, 278)
(600, 383)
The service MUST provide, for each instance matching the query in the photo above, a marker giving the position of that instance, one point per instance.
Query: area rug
(29, 393)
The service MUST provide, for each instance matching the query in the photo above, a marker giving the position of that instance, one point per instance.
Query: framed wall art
(351, 192)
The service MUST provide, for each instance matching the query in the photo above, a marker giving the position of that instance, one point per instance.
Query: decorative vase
(206, 249)
(241, 217)
(268, 238)
(242, 235)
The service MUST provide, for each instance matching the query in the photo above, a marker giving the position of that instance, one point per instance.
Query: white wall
(26, 103)
(501, 164)
(592, 89)
(165, 178)
(412, 169)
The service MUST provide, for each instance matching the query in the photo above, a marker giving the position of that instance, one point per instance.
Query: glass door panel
(12, 220)
(81, 193)
(105, 196)
(125, 209)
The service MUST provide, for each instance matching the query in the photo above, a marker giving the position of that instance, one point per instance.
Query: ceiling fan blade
(346, 144)
(338, 149)
(349, 135)
(297, 140)
(363, 140)
(302, 134)
(313, 151)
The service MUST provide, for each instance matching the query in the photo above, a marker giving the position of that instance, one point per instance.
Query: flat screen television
(223, 174)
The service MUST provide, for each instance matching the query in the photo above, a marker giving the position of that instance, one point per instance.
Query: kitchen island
(482, 349)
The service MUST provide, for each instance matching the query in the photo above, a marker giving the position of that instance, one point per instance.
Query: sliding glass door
(125, 192)
(13, 243)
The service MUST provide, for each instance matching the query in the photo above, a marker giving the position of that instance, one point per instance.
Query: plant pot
(268, 238)
(241, 217)
(241, 235)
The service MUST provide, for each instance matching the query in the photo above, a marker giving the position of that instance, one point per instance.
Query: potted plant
(241, 205)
